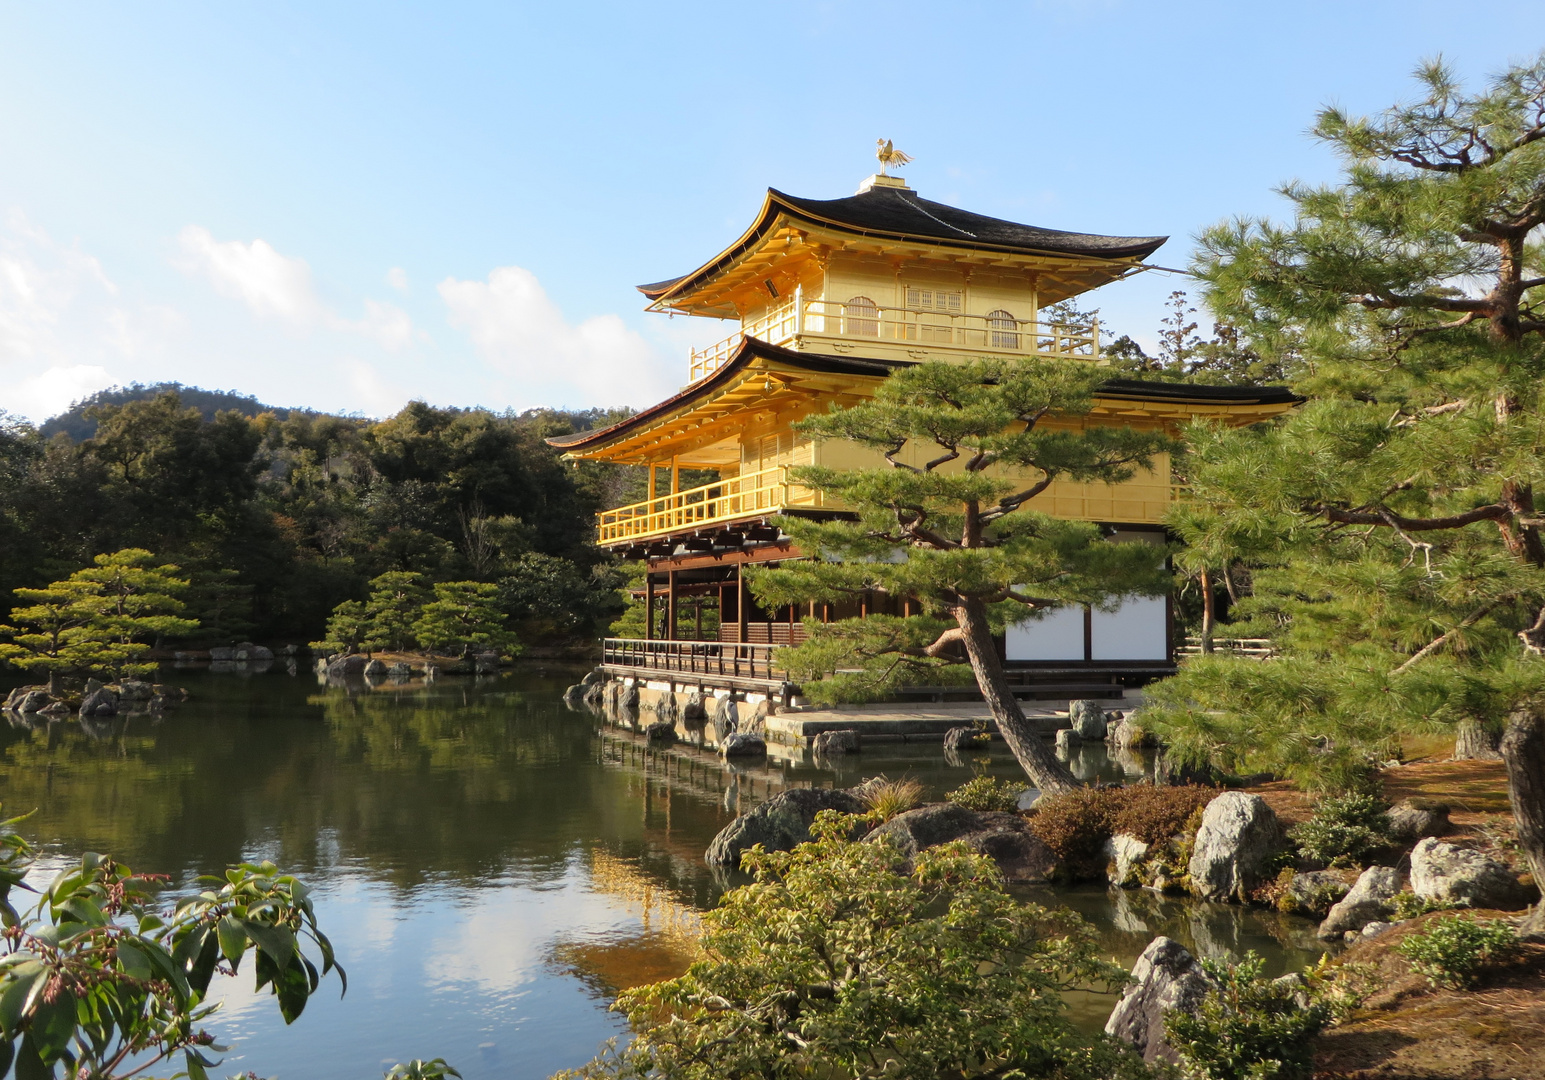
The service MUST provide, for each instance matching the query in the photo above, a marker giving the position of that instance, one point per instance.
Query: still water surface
(490, 866)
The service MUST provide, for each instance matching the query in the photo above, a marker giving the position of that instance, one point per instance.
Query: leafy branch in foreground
(945, 524)
(101, 979)
(838, 961)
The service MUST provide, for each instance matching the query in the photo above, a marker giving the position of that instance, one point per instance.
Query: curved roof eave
(873, 214)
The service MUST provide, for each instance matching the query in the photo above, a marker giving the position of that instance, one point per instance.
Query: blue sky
(347, 206)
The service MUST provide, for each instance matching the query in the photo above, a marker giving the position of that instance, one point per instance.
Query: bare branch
(1442, 639)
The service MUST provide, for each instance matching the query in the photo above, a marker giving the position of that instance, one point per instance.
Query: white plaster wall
(1135, 631)
(1057, 635)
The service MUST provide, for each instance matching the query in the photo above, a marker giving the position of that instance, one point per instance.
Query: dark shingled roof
(901, 213)
(750, 348)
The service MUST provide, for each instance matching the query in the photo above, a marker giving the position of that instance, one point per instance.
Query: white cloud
(256, 274)
(543, 358)
(385, 324)
(62, 322)
(397, 278)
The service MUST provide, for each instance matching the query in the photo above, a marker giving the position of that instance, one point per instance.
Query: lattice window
(863, 317)
(948, 301)
(1003, 329)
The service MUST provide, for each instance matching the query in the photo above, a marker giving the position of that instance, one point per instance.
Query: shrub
(834, 962)
(1344, 830)
(985, 793)
(1451, 950)
(1248, 1027)
(1408, 905)
(887, 798)
(1154, 813)
(1076, 825)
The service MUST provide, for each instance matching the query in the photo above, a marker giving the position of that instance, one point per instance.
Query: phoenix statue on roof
(886, 151)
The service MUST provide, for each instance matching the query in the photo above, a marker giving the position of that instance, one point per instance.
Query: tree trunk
(1523, 749)
(1472, 742)
(1209, 612)
(1034, 756)
(54, 689)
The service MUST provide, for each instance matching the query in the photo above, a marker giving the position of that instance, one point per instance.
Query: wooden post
(670, 606)
(697, 610)
(649, 598)
(651, 484)
(740, 598)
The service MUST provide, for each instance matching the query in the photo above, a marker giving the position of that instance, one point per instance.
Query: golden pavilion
(829, 296)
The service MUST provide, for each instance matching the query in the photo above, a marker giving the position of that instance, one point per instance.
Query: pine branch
(1493, 512)
(1442, 639)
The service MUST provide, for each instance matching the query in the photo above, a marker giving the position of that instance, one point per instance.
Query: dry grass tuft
(887, 798)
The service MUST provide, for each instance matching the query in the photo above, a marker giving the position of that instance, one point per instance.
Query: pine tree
(1407, 589)
(463, 615)
(941, 525)
(396, 601)
(101, 619)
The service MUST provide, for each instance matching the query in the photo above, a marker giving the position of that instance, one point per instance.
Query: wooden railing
(723, 659)
(1255, 648)
(1001, 334)
(734, 497)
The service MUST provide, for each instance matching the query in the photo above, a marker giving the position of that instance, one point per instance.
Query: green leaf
(29, 1066)
(293, 988)
(233, 940)
(134, 962)
(22, 985)
(7, 1052)
(195, 1066)
(203, 967)
(53, 1023)
(277, 941)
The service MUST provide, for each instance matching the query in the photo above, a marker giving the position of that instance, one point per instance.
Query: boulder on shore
(1370, 900)
(346, 667)
(376, 670)
(28, 699)
(1314, 892)
(777, 824)
(964, 736)
(1451, 874)
(1413, 820)
(1124, 854)
(660, 732)
(1067, 738)
(1166, 977)
(1004, 838)
(248, 651)
(1235, 847)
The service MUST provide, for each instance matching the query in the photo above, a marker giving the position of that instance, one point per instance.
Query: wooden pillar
(670, 606)
(651, 483)
(697, 610)
(741, 605)
(649, 597)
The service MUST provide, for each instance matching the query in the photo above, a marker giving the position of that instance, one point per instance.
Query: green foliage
(416, 1069)
(1248, 1027)
(833, 963)
(101, 619)
(944, 523)
(347, 629)
(1451, 950)
(101, 978)
(1344, 830)
(396, 601)
(552, 598)
(1389, 523)
(887, 798)
(464, 615)
(984, 793)
(1408, 905)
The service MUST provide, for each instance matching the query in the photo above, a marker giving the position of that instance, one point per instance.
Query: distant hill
(75, 424)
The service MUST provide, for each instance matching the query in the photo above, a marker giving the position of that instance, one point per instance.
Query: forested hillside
(279, 515)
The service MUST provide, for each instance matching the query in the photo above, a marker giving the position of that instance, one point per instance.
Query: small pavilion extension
(829, 297)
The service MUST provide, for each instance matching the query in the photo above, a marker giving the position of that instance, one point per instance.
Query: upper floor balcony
(901, 333)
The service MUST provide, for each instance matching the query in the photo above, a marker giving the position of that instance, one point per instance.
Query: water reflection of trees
(459, 782)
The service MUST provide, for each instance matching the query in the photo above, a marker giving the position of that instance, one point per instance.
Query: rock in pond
(1368, 901)
(695, 711)
(376, 670)
(1124, 854)
(1166, 977)
(964, 737)
(133, 690)
(1067, 738)
(248, 651)
(28, 699)
(101, 702)
(829, 743)
(777, 824)
(1088, 719)
(1239, 838)
(344, 667)
(1451, 874)
(1005, 838)
(660, 732)
(743, 744)
(574, 697)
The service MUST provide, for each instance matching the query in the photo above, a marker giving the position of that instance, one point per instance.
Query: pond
(490, 866)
